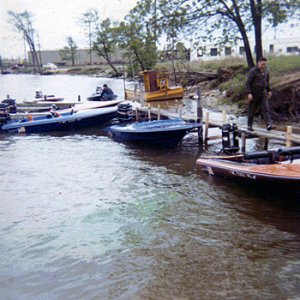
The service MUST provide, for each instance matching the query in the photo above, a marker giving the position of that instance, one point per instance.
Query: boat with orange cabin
(156, 87)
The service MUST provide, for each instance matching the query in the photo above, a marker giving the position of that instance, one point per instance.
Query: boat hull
(277, 175)
(84, 119)
(165, 133)
(97, 97)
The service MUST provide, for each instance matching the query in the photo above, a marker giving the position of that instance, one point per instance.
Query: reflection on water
(87, 218)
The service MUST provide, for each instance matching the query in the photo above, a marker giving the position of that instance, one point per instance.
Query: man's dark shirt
(257, 81)
(106, 90)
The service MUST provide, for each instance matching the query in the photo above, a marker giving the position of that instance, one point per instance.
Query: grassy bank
(280, 68)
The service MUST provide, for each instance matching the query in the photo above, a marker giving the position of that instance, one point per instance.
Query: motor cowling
(230, 142)
(124, 112)
(11, 105)
(4, 113)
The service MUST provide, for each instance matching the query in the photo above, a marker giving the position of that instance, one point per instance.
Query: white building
(284, 46)
(82, 57)
(287, 42)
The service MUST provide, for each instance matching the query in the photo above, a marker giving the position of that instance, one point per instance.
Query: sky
(54, 21)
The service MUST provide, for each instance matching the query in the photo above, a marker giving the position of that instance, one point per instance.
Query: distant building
(167, 55)
(282, 46)
(82, 57)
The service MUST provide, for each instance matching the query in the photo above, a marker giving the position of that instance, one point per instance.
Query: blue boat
(165, 133)
(68, 122)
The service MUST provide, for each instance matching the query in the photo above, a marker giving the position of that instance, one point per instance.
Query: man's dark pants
(259, 102)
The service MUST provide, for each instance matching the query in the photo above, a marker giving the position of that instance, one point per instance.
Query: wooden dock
(287, 134)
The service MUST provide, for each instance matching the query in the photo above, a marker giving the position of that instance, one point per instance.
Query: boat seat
(288, 153)
(259, 157)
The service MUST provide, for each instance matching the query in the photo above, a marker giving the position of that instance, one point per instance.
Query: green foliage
(105, 39)
(279, 64)
(223, 22)
(214, 65)
(235, 87)
(23, 24)
(69, 52)
(137, 36)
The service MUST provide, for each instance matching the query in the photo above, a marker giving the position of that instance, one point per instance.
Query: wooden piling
(206, 128)
(142, 100)
(158, 112)
(224, 117)
(137, 117)
(243, 140)
(266, 144)
(289, 131)
(199, 117)
(149, 112)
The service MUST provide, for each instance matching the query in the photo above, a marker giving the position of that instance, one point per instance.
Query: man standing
(258, 90)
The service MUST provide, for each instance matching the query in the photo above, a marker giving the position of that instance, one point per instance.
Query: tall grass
(279, 64)
(276, 64)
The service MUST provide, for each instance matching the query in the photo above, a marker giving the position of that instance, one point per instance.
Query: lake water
(83, 217)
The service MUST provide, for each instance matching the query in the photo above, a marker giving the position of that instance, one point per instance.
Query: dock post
(266, 144)
(206, 128)
(136, 114)
(79, 98)
(158, 112)
(149, 112)
(176, 105)
(289, 130)
(199, 117)
(243, 138)
(142, 98)
(180, 112)
(224, 117)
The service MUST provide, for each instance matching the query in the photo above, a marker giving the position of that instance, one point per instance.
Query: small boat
(97, 96)
(156, 88)
(66, 122)
(166, 133)
(274, 168)
(39, 97)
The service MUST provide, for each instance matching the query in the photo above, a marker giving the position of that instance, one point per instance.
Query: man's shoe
(270, 127)
(250, 128)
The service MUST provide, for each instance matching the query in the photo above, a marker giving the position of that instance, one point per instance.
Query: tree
(69, 52)
(138, 36)
(23, 23)
(90, 19)
(231, 19)
(105, 42)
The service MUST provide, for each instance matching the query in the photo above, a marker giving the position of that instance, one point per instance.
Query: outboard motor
(124, 112)
(230, 142)
(11, 105)
(38, 94)
(4, 115)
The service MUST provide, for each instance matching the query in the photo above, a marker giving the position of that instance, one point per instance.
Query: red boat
(274, 168)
